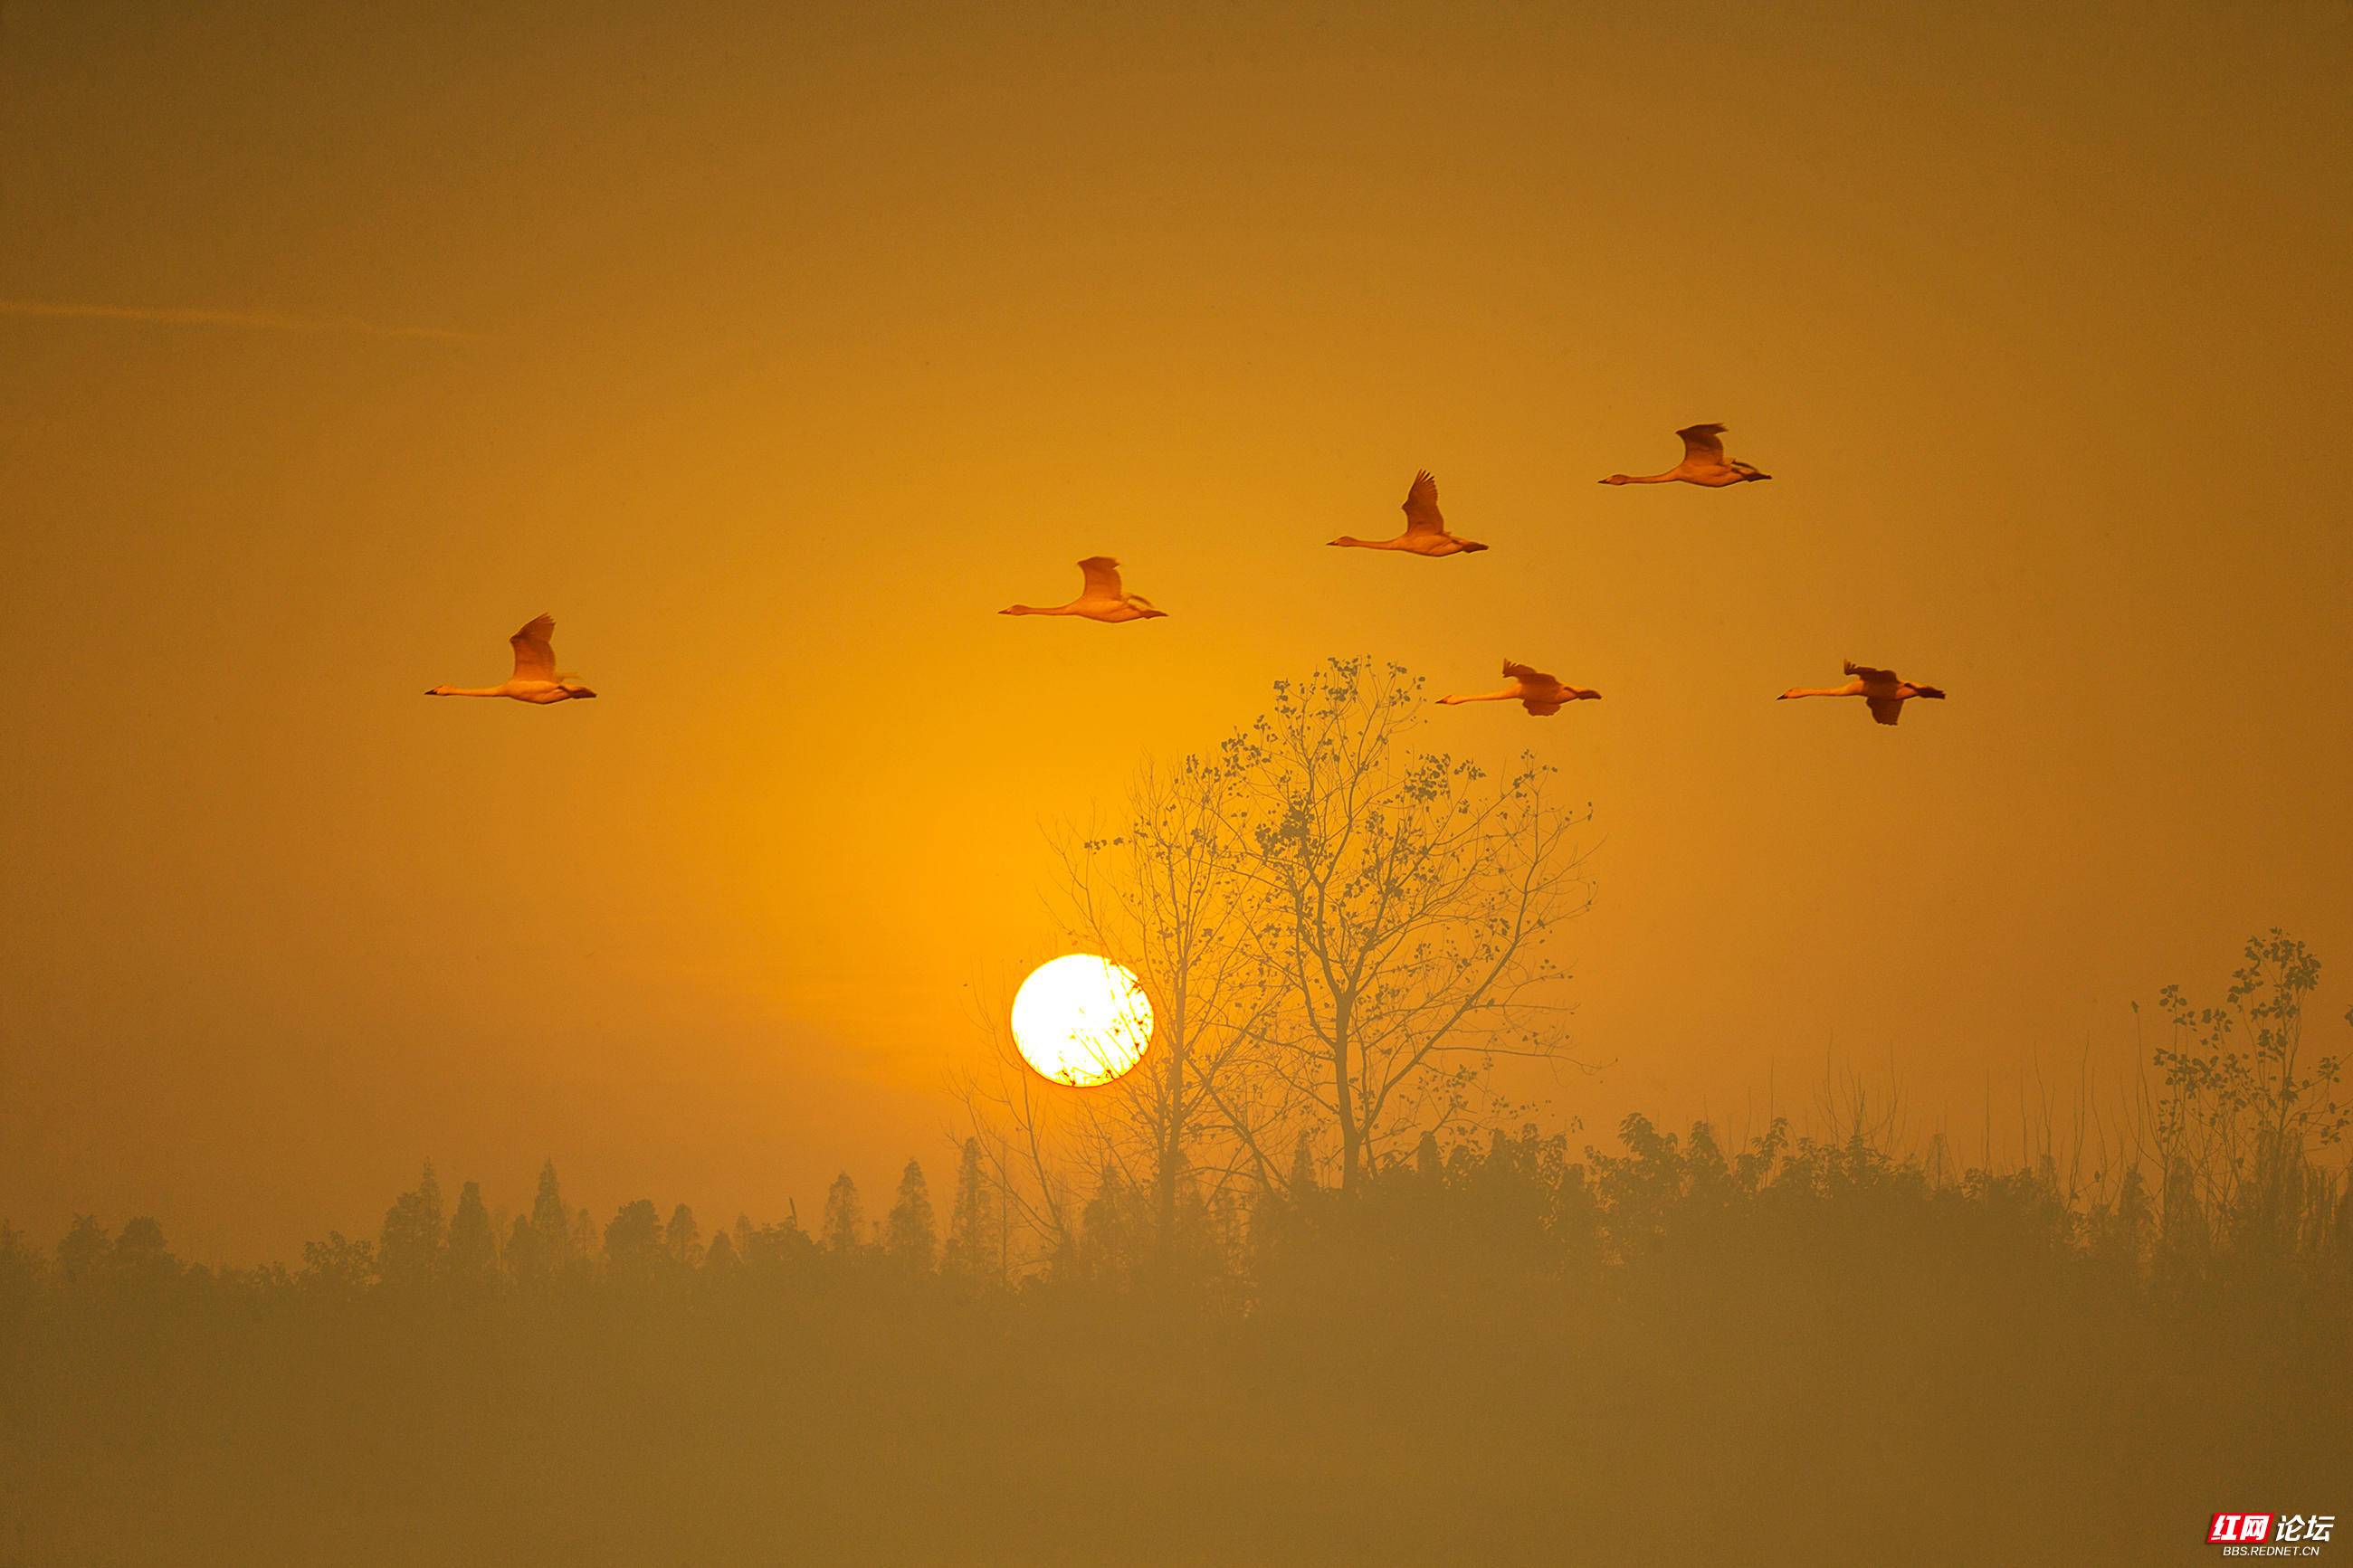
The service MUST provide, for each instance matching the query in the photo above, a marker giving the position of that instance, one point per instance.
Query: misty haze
(1397, 783)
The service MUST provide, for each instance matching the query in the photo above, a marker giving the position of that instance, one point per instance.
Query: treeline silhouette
(1790, 1347)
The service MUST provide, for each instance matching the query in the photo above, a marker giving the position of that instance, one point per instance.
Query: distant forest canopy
(2231, 1171)
(1489, 1347)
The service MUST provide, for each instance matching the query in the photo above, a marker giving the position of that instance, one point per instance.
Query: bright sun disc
(1081, 1020)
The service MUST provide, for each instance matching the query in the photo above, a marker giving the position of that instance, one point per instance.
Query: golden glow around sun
(1081, 1020)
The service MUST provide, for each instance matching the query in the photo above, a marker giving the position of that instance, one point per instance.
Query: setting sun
(1081, 1020)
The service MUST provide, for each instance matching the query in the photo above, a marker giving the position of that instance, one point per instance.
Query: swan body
(534, 679)
(1703, 463)
(1100, 598)
(1425, 530)
(1539, 693)
(1881, 688)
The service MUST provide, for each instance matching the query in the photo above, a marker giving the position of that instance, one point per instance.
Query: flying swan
(1539, 693)
(534, 679)
(1100, 600)
(1703, 463)
(1879, 687)
(1425, 530)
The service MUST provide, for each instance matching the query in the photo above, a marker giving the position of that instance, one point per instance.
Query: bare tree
(1400, 903)
(1166, 895)
(1336, 932)
(1160, 891)
(1019, 1125)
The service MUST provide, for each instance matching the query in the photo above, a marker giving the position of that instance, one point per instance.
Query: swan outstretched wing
(1102, 577)
(1540, 694)
(1702, 443)
(534, 650)
(1421, 513)
(1886, 710)
(1871, 677)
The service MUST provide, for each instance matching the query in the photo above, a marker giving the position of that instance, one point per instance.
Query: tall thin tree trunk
(1351, 1136)
(1171, 1154)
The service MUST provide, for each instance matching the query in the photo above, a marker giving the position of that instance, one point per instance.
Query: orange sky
(796, 341)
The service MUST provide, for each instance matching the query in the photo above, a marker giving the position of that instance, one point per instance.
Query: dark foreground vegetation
(1797, 1351)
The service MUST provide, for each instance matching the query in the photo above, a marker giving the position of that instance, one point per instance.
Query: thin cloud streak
(267, 321)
